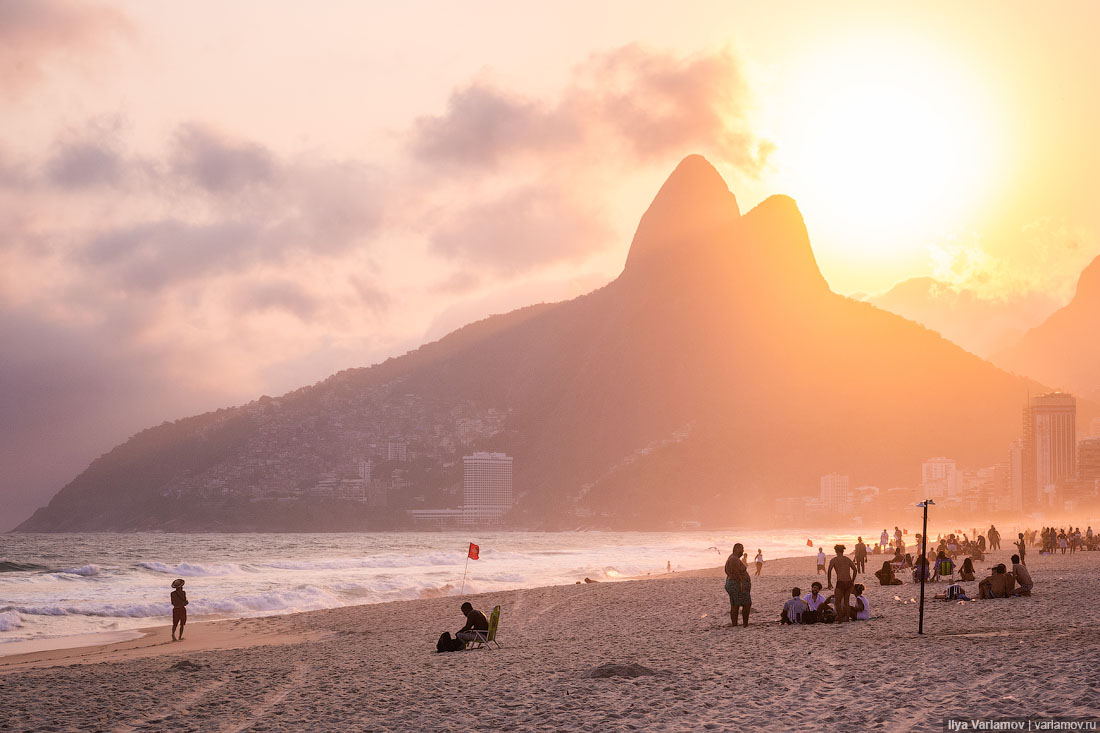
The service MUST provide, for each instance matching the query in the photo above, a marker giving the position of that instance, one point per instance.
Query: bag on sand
(447, 644)
(828, 615)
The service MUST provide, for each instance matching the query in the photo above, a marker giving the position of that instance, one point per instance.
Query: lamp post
(923, 560)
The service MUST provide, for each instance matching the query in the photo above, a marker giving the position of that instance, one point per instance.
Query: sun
(885, 144)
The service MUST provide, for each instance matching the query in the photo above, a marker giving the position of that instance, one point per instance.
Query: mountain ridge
(717, 372)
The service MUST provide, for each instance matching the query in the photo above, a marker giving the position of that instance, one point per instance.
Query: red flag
(473, 551)
(809, 544)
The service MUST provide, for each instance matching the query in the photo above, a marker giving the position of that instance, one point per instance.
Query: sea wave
(10, 619)
(194, 570)
(84, 570)
(6, 566)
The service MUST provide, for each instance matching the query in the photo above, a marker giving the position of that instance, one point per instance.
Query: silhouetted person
(1023, 577)
(179, 608)
(860, 555)
(1021, 545)
(967, 571)
(845, 579)
(994, 538)
(475, 623)
(886, 575)
(738, 585)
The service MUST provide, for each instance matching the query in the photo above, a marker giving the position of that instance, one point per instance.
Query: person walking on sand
(820, 561)
(179, 608)
(738, 585)
(861, 555)
(845, 579)
(759, 561)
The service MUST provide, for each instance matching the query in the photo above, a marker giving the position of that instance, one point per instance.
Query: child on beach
(179, 608)
(1023, 577)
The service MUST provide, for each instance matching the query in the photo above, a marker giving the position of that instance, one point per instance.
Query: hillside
(717, 372)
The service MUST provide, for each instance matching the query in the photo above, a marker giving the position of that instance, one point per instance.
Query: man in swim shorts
(179, 608)
(845, 579)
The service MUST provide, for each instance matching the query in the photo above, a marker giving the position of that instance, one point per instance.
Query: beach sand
(374, 667)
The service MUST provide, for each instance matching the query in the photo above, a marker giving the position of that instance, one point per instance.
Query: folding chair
(487, 638)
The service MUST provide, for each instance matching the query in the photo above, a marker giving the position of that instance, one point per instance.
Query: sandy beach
(374, 667)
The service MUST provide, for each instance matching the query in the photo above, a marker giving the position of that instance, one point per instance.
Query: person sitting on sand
(1022, 577)
(967, 571)
(476, 624)
(998, 585)
(793, 608)
(886, 575)
(179, 608)
(845, 579)
(814, 601)
(738, 585)
(861, 608)
(920, 569)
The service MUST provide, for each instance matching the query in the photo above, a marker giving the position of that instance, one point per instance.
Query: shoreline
(374, 666)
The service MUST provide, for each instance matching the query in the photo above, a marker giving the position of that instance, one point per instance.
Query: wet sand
(374, 667)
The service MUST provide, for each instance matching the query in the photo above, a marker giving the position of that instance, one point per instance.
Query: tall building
(939, 478)
(1088, 465)
(486, 486)
(1015, 501)
(1050, 446)
(836, 494)
(1094, 427)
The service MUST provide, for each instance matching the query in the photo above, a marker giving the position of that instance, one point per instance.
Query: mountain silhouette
(715, 374)
(1064, 350)
(983, 326)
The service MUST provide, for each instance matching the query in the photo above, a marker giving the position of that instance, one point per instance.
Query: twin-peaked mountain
(716, 373)
(1064, 350)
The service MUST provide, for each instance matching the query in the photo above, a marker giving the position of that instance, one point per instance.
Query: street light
(923, 560)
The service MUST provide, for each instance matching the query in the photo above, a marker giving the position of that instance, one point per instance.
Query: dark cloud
(632, 100)
(85, 164)
(281, 294)
(219, 165)
(522, 229)
(34, 33)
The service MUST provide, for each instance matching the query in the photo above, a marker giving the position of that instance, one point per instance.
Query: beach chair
(947, 571)
(487, 638)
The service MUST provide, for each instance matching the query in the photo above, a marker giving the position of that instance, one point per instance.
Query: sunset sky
(202, 203)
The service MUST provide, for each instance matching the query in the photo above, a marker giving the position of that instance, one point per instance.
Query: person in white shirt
(861, 609)
(820, 561)
(815, 599)
(759, 561)
(793, 608)
(884, 539)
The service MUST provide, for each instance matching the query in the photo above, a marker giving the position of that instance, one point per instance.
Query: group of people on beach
(951, 558)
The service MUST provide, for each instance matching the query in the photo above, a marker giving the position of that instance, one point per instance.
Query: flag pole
(464, 574)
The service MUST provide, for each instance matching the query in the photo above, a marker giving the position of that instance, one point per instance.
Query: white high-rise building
(836, 494)
(939, 478)
(1050, 445)
(486, 486)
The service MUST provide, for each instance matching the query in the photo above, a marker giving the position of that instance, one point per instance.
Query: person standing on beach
(1021, 545)
(861, 555)
(845, 579)
(738, 585)
(759, 561)
(884, 539)
(820, 560)
(179, 608)
(994, 538)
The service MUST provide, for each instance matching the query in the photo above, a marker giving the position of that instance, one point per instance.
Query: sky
(204, 203)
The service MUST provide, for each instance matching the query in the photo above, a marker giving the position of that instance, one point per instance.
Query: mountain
(717, 372)
(1064, 350)
(981, 325)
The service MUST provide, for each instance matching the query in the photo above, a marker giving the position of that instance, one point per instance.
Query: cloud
(220, 165)
(520, 230)
(36, 33)
(1047, 258)
(85, 164)
(632, 101)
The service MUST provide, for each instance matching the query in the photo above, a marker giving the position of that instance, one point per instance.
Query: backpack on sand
(447, 644)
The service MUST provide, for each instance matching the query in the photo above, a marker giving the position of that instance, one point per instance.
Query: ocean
(62, 585)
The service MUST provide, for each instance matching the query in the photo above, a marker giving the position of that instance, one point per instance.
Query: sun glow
(884, 145)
